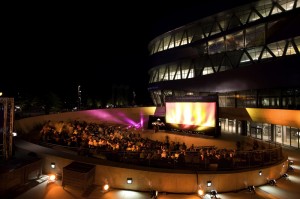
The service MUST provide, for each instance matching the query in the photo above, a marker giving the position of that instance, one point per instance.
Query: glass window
(190, 34)
(162, 73)
(178, 37)
(266, 130)
(287, 4)
(184, 40)
(216, 45)
(264, 10)
(255, 36)
(297, 41)
(166, 41)
(186, 70)
(215, 29)
(172, 71)
(231, 44)
(206, 29)
(266, 54)
(278, 131)
(255, 52)
(160, 45)
(290, 49)
(276, 10)
(295, 135)
(207, 70)
(198, 34)
(172, 42)
(184, 73)
(245, 58)
(152, 76)
(243, 15)
(277, 48)
(253, 17)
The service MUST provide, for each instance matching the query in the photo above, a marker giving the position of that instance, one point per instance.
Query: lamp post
(79, 97)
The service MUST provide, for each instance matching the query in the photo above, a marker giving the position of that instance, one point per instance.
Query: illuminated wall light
(129, 180)
(105, 187)
(260, 173)
(51, 178)
(209, 183)
(53, 165)
(200, 192)
(272, 182)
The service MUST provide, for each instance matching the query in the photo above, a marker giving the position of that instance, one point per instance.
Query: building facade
(248, 56)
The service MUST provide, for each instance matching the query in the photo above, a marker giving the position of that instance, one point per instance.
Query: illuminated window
(207, 70)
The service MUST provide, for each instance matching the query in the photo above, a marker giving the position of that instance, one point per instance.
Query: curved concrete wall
(124, 116)
(163, 180)
(145, 178)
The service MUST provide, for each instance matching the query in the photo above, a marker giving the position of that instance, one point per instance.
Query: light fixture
(53, 165)
(213, 193)
(200, 192)
(285, 175)
(105, 187)
(209, 183)
(290, 168)
(251, 188)
(51, 178)
(14, 134)
(272, 182)
(129, 180)
(260, 173)
(154, 194)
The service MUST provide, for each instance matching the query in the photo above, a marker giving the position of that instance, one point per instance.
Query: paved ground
(43, 189)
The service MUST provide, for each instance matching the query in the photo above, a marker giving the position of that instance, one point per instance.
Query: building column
(244, 127)
(284, 135)
(236, 122)
(273, 129)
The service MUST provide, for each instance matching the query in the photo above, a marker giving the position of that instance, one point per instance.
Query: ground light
(51, 178)
(200, 192)
(213, 193)
(106, 187)
(251, 188)
(129, 180)
(285, 175)
(153, 194)
(272, 182)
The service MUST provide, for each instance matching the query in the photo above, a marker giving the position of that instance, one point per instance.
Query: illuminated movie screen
(197, 116)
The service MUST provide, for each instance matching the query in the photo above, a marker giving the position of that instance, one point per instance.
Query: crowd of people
(125, 144)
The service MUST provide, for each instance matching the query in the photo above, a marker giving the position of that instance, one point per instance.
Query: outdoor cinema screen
(198, 116)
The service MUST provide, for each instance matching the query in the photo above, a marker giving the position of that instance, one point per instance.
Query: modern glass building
(248, 56)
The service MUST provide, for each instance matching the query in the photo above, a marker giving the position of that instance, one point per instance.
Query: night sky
(58, 47)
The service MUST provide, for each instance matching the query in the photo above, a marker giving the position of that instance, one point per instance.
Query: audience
(119, 143)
